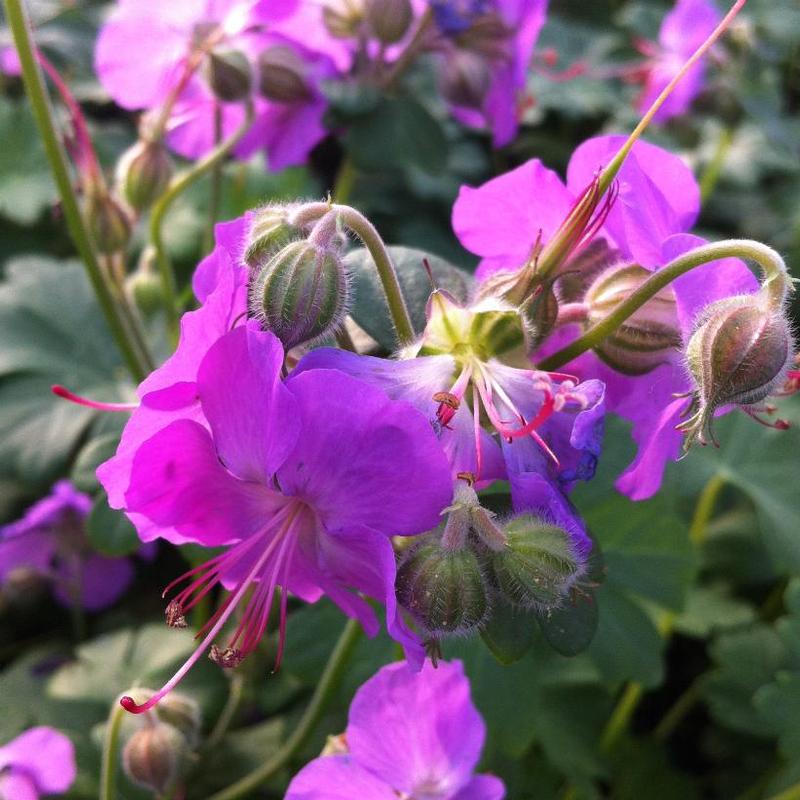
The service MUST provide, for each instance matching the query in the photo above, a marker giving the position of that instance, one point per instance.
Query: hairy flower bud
(538, 564)
(301, 293)
(443, 589)
(152, 757)
(649, 337)
(146, 290)
(108, 222)
(269, 231)
(343, 18)
(229, 74)
(738, 354)
(143, 174)
(465, 78)
(389, 20)
(281, 75)
(182, 713)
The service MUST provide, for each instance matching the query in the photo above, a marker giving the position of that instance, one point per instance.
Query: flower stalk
(179, 184)
(42, 111)
(776, 285)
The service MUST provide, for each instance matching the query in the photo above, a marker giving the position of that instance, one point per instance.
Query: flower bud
(108, 222)
(229, 75)
(281, 75)
(143, 174)
(301, 293)
(540, 313)
(465, 78)
(737, 355)
(182, 713)
(649, 337)
(389, 20)
(152, 757)
(146, 290)
(442, 589)
(538, 565)
(343, 18)
(269, 231)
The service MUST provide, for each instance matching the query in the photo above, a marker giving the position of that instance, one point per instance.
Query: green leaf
(627, 645)
(110, 532)
(711, 608)
(26, 188)
(90, 457)
(509, 633)
(756, 460)
(114, 663)
(369, 308)
(745, 661)
(52, 332)
(569, 630)
(398, 131)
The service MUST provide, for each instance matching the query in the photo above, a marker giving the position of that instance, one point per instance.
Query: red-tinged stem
(610, 172)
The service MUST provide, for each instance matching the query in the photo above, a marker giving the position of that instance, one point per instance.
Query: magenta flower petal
(17, 786)
(502, 218)
(229, 245)
(419, 732)
(337, 778)
(658, 195)
(177, 481)
(63, 499)
(45, 756)
(246, 403)
(683, 30)
(366, 456)
(102, 580)
(33, 551)
(482, 787)
(140, 49)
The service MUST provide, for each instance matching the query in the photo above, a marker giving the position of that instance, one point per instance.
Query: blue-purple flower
(414, 735)
(50, 541)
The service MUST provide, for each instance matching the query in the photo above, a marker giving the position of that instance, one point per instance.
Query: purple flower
(658, 201)
(9, 62)
(39, 761)
(147, 51)
(408, 735)
(503, 50)
(683, 30)
(304, 481)
(549, 427)
(50, 541)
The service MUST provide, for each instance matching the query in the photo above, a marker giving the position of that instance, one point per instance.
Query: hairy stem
(326, 688)
(776, 285)
(179, 184)
(42, 111)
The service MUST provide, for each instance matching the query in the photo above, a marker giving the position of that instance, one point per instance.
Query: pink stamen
(542, 415)
(66, 394)
(476, 428)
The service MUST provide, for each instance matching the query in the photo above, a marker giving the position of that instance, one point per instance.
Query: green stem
(679, 709)
(610, 172)
(621, 716)
(215, 188)
(323, 694)
(235, 693)
(179, 184)
(108, 769)
(42, 111)
(705, 509)
(776, 285)
(712, 172)
(345, 179)
(371, 239)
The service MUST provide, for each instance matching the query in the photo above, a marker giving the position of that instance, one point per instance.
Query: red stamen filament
(66, 394)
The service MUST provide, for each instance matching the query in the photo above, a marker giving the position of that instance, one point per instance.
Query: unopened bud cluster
(449, 579)
(298, 286)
